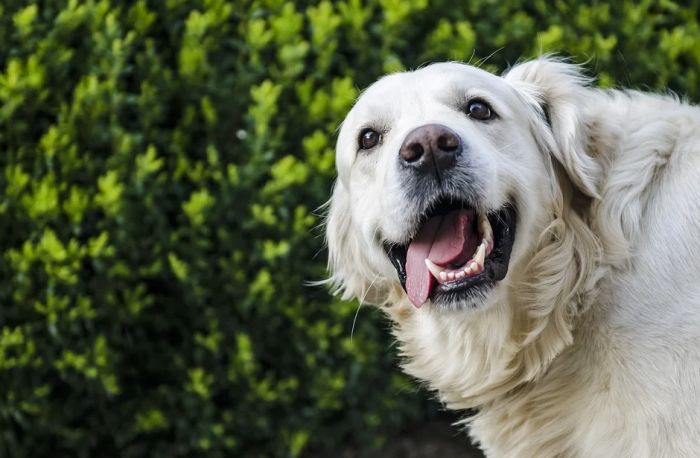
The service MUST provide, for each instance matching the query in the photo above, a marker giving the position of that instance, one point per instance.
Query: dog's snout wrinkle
(432, 148)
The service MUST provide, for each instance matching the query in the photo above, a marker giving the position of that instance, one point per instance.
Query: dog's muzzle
(458, 249)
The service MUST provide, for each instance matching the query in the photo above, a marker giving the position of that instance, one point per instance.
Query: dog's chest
(595, 406)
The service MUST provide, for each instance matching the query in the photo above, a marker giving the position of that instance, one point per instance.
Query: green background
(162, 164)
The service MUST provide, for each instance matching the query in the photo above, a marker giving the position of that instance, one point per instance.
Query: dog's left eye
(480, 110)
(368, 138)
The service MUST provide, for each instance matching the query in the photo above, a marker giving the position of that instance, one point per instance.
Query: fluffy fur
(590, 347)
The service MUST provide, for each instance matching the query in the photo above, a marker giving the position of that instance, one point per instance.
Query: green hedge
(162, 163)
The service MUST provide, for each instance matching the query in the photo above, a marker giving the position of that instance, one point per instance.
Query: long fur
(591, 344)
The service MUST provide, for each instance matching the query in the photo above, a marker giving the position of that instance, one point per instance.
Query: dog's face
(446, 180)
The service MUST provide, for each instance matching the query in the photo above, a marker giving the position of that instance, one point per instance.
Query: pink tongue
(445, 239)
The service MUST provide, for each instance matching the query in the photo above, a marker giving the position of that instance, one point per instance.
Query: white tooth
(467, 270)
(443, 277)
(474, 266)
(451, 275)
(480, 254)
(459, 275)
(436, 270)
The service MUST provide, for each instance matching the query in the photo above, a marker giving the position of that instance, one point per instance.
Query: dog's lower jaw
(474, 299)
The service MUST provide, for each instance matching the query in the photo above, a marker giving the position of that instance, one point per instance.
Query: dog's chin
(471, 292)
(471, 298)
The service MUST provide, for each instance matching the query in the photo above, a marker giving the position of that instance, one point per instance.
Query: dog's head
(449, 177)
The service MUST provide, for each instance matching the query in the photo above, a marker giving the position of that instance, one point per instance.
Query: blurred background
(162, 166)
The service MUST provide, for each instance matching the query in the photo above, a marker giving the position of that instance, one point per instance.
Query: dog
(535, 242)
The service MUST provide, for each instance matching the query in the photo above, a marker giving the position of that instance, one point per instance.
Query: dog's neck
(475, 361)
(482, 363)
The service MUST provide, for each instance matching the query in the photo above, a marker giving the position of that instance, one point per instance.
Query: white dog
(536, 242)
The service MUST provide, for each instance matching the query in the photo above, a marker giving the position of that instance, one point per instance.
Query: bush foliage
(161, 163)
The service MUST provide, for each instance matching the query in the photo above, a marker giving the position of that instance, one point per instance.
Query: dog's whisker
(354, 320)
(502, 149)
(483, 60)
(362, 301)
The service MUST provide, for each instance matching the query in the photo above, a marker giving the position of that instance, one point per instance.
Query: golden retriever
(536, 243)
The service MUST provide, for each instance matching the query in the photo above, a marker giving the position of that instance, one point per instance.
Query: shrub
(161, 166)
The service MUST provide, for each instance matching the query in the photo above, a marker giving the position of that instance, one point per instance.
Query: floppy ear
(559, 90)
(351, 275)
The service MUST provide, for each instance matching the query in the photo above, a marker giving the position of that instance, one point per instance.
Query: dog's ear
(350, 271)
(558, 90)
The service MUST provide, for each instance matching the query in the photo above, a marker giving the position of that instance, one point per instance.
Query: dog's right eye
(369, 138)
(480, 110)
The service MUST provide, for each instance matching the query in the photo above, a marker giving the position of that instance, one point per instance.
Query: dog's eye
(369, 138)
(480, 110)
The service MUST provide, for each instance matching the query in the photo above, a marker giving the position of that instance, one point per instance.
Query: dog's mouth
(457, 254)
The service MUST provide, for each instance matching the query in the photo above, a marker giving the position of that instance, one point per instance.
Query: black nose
(430, 147)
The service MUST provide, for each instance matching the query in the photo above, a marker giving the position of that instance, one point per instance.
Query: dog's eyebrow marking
(382, 127)
(455, 95)
(472, 94)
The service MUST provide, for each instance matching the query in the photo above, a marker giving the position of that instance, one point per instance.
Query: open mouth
(457, 254)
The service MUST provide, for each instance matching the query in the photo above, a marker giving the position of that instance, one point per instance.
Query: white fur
(590, 347)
